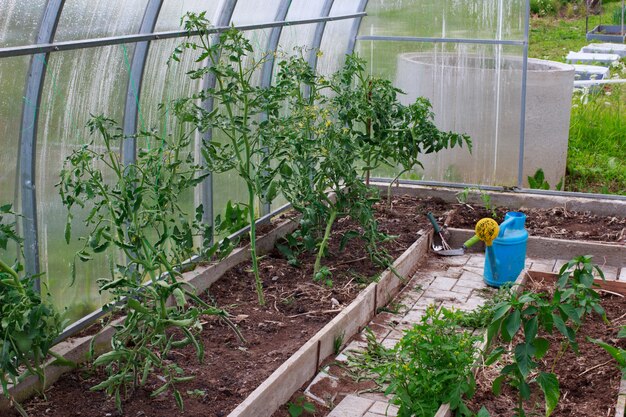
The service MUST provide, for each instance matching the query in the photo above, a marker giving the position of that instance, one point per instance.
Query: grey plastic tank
(481, 96)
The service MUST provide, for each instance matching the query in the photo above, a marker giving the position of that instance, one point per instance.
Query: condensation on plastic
(87, 19)
(466, 19)
(336, 37)
(474, 89)
(78, 84)
(295, 39)
(11, 100)
(173, 10)
(19, 21)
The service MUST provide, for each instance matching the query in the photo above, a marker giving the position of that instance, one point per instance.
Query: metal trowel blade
(451, 252)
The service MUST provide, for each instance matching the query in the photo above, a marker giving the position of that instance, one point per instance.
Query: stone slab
(591, 58)
(605, 48)
(352, 406)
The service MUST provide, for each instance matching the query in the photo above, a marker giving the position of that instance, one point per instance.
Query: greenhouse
(312, 208)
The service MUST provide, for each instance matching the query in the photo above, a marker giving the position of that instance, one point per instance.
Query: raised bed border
(616, 286)
(600, 207)
(551, 248)
(304, 363)
(299, 368)
(77, 349)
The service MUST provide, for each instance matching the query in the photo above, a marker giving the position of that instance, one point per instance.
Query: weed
(538, 181)
(338, 342)
(196, 393)
(299, 407)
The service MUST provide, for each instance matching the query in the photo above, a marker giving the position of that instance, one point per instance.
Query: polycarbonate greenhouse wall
(61, 61)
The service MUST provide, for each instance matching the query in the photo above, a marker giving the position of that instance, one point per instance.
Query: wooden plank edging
(304, 363)
(77, 349)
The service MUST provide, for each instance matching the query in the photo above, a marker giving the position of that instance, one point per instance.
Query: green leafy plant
(489, 205)
(538, 181)
(433, 365)
(526, 313)
(321, 179)
(385, 131)
(617, 353)
(136, 210)
(577, 277)
(247, 116)
(299, 407)
(29, 324)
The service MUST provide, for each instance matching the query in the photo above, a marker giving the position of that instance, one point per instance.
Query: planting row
(310, 138)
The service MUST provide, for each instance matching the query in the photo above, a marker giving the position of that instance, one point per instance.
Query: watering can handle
(505, 224)
(433, 221)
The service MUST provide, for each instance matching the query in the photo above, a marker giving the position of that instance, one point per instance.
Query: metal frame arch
(319, 33)
(206, 190)
(135, 81)
(268, 66)
(356, 27)
(28, 136)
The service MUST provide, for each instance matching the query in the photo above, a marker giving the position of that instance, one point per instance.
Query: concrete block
(477, 261)
(351, 406)
(605, 48)
(443, 283)
(384, 409)
(445, 295)
(591, 58)
(622, 275)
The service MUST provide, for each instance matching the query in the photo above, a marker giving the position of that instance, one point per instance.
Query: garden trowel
(441, 247)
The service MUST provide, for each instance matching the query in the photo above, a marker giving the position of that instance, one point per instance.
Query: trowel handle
(471, 242)
(433, 221)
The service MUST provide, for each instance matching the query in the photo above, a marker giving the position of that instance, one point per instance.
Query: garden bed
(589, 381)
(297, 308)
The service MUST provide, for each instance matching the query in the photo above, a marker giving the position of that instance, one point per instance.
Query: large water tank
(481, 96)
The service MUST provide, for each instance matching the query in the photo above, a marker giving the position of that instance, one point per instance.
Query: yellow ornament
(487, 230)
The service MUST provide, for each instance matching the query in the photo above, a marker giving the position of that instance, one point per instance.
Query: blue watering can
(506, 257)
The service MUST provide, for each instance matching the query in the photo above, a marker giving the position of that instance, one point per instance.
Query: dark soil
(296, 309)
(589, 381)
(555, 222)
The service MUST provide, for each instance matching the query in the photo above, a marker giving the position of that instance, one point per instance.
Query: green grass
(597, 144)
(597, 148)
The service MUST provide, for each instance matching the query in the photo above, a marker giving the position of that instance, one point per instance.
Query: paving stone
(375, 397)
(443, 283)
(445, 295)
(424, 302)
(610, 272)
(467, 291)
(396, 335)
(454, 272)
(476, 261)
(390, 343)
(454, 260)
(542, 265)
(351, 406)
(413, 316)
(354, 346)
(558, 264)
(384, 409)
(324, 393)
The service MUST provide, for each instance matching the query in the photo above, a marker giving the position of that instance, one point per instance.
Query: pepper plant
(29, 324)
(247, 116)
(136, 210)
(525, 314)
